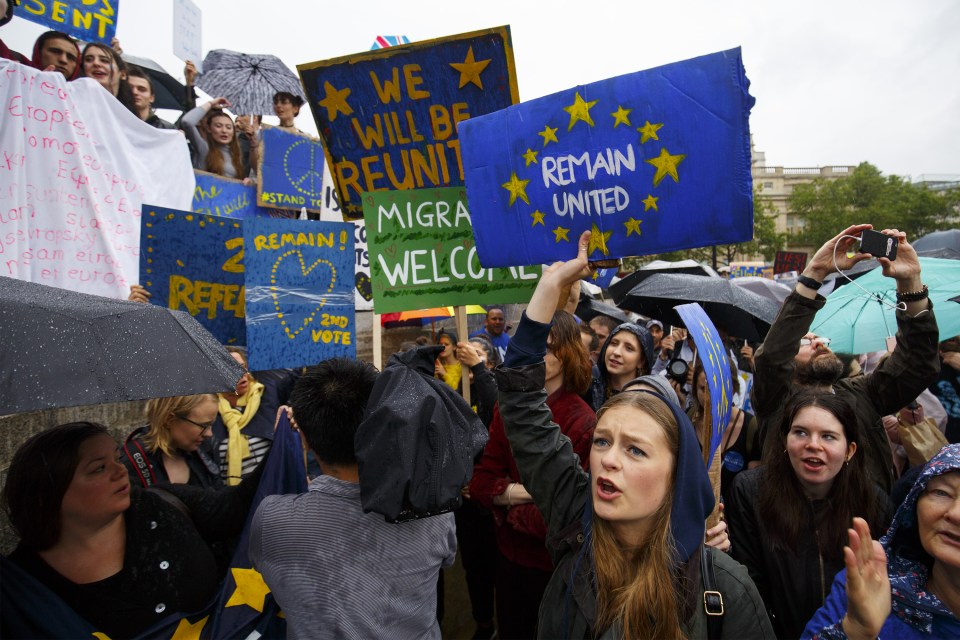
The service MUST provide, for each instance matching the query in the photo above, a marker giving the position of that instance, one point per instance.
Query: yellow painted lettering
(260, 242)
(233, 264)
(413, 80)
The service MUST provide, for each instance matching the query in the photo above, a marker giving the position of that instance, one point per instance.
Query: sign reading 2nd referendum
(388, 118)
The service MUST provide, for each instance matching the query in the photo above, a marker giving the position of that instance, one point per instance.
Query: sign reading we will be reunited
(388, 118)
(425, 255)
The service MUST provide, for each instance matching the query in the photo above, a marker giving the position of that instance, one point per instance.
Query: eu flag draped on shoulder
(242, 607)
(653, 161)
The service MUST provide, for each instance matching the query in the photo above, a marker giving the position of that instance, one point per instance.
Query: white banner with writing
(75, 168)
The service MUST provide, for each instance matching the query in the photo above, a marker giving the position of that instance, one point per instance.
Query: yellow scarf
(234, 420)
(452, 374)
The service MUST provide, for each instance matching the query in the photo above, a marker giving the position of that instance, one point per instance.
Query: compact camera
(878, 244)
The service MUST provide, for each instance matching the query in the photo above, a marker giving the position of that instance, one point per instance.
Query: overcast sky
(837, 82)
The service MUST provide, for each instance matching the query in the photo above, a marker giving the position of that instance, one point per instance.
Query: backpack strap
(712, 598)
(141, 463)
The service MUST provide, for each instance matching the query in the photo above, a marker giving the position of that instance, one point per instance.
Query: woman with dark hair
(212, 133)
(105, 65)
(286, 106)
(122, 558)
(627, 539)
(524, 567)
(788, 519)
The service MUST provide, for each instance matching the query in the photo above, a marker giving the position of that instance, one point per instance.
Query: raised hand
(868, 585)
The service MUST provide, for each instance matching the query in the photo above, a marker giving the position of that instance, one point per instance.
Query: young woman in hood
(627, 353)
(627, 537)
(907, 585)
(788, 519)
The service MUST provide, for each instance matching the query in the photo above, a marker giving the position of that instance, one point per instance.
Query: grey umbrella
(740, 312)
(621, 288)
(939, 244)
(763, 286)
(62, 349)
(248, 81)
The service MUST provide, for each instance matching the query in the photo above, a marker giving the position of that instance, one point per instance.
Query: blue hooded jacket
(915, 612)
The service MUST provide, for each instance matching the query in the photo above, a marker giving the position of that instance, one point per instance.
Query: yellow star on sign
(187, 631)
(649, 131)
(537, 218)
(666, 165)
(620, 116)
(579, 110)
(517, 188)
(560, 233)
(650, 203)
(633, 226)
(530, 156)
(470, 70)
(598, 240)
(549, 134)
(251, 589)
(335, 101)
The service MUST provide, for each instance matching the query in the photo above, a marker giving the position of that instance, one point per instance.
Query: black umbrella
(248, 81)
(740, 312)
(620, 289)
(167, 92)
(588, 309)
(62, 348)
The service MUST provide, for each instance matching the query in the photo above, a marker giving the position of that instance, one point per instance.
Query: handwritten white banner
(75, 168)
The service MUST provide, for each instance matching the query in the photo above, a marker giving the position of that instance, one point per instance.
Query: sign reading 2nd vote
(88, 20)
(290, 172)
(388, 118)
(422, 241)
(299, 276)
(194, 263)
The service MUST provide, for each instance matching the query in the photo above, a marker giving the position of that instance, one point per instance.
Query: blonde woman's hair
(160, 412)
(637, 586)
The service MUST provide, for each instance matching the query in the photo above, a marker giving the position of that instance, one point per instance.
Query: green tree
(765, 242)
(866, 195)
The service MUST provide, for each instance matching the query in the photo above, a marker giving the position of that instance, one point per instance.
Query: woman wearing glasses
(174, 447)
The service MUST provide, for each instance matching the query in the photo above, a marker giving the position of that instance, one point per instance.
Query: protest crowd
(569, 455)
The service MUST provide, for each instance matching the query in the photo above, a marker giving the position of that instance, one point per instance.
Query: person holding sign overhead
(627, 538)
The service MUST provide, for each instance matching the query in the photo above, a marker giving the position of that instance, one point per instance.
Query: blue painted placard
(651, 162)
(194, 263)
(215, 195)
(299, 276)
(716, 366)
(87, 20)
(290, 175)
(388, 118)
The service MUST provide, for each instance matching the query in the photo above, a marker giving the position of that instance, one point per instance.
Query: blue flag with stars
(653, 161)
(716, 366)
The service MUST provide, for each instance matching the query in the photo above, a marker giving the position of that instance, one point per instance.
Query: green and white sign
(422, 254)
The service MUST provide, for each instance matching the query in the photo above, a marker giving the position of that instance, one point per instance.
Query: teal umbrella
(856, 322)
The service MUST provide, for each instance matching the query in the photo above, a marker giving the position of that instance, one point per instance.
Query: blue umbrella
(856, 322)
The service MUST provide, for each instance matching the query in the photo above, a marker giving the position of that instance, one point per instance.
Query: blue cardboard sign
(651, 162)
(716, 366)
(290, 175)
(215, 195)
(87, 20)
(388, 118)
(194, 263)
(299, 276)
